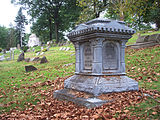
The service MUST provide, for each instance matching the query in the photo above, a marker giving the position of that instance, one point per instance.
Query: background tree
(54, 12)
(12, 41)
(3, 37)
(20, 22)
(149, 10)
(91, 9)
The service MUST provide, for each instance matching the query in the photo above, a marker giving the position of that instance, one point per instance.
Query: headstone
(43, 60)
(147, 41)
(68, 48)
(64, 48)
(18, 46)
(35, 59)
(38, 53)
(100, 61)
(33, 49)
(48, 48)
(33, 41)
(154, 37)
(20, 57)
(60, 48)
(2, 57)
(13, 48)
(30, 68)
(42, 48)
(4, 51)
(42, 53)
(142, 39)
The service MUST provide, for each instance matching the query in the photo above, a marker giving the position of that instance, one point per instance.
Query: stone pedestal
(97, 85)
(100, 60)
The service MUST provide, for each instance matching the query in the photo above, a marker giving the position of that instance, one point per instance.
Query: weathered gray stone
(33, 49)
(154, 37)
(35, 59)
(20, 57)
(42, 48)
(42, 53)
(43, 60)
(147, 41)
(100, 51)
(87, 102)
(60, 48)
(97, 85)
(30, 68)
(48, 48)
(68, 48)
(2, 57)
(142, 39)
(18, 46)
(38, 53)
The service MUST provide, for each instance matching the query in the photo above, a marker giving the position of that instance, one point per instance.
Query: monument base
(93, 86)
(68, 95)
(97, 85)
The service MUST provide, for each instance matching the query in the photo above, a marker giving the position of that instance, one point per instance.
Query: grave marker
(100, 61)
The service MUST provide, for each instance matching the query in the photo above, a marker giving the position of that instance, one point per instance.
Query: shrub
(0, 49)
(25, 48)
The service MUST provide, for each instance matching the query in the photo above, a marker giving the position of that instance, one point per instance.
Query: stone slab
(144, 45)
(97, 85)
(142, 39)
(87, 102)
(30, 68)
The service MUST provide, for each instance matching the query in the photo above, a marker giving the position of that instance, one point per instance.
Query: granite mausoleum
(100, 61)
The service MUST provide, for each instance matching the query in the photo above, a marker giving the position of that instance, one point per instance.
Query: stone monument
(100, 61)
(33, 41)
(146, 41)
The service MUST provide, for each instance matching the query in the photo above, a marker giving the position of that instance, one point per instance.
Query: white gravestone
(33, 41)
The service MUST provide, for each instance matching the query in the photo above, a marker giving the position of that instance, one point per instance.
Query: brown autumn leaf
(154, 113)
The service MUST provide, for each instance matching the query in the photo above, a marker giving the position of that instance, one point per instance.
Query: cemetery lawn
(30, 95)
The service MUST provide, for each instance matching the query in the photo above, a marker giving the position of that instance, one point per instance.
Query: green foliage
(91, 9)
(25, 48)
(20, 22)
(0, 49)
(53, 16)
(3, 37)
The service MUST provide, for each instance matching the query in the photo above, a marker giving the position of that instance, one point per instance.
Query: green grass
(16, 86)
(15, 82)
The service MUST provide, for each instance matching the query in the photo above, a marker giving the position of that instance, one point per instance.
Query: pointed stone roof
(102, 25)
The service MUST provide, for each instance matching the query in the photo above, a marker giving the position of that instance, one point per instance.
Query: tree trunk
(56, 24)
(50, 29)
(157, 25)
(56, 32)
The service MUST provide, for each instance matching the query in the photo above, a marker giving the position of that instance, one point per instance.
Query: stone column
(97, 55)
(77, 49)
(122, 56)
